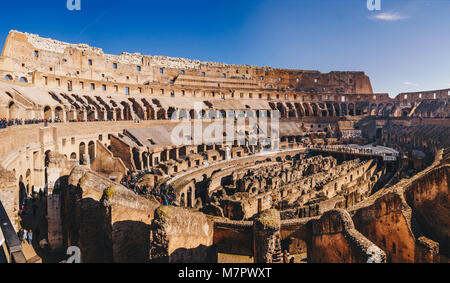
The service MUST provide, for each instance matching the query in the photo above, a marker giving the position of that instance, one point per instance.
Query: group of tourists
(4, 123)
(165, 196)
(33, 199)
(26, 236)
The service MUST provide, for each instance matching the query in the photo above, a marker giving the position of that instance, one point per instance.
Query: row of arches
(9, 77)
(88, 149)
(307, 109)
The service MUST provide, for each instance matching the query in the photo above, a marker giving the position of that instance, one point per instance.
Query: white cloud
(388, 16)
(411, 84)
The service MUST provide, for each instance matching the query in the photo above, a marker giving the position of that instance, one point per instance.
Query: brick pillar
(266, 237)
(55, 236)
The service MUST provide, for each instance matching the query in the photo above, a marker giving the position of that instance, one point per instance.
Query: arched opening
(189, 198)
(315, 110)
(330, 109)
(91, 115)
(12, 110)
(73, 156)
(193, 114)
(380, 109)
(183, 114)
(145, 160)
(23, 80)
(282, 109)
(171, 113)
(82, 151)
(8, 78)
(137, 159)
(150, 110)
(91, 151)
(47, 158)
(28, 181)
(161, 114)
(337, 109)
(101, 114)
(300, 110)
(344, 109)
(118, 114)
(351, 109)
(307, 108)
(212, 114)
(126, 112)
(47, 113)
(373, 110)
(22, 192)
(46, 164)
(59, 114)
(182, 200)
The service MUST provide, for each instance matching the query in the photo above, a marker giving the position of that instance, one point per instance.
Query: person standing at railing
(30, 237)
(25, 235)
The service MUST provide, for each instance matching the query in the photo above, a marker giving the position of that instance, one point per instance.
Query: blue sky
(403, 47)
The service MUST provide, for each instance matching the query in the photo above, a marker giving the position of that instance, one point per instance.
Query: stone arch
(344, 109)
(137, 159)
(23, 80)
(183, 114)
(91, 151)
(12, 110)
(73, 156)
(351, 109)
(300, 110)
(59, 114)
(47, 158)
(81, 150)
(161, 114)
(22, 191)
(172, 114)
(28, 180)
(189, 197)
(118, 114)
(315, 110)
(145, 160)
(101, 114)
(193, 114)
(380, 109)
(362, 110)
(322, 110)
(212, 114)
(330, 109)
(48, 113)
(373, 110)
(182, 200)
(337, 109)
(8, 77)
(203, 114)
(91, 114)
(150, 111)
(387, 110)
(282, 109)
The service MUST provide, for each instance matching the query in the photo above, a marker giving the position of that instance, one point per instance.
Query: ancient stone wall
(182, 236)
(334, 239)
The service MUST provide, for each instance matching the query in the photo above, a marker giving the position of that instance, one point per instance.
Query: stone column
(266, 237)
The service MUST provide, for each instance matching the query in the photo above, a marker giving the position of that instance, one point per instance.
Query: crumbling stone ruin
(351, 176)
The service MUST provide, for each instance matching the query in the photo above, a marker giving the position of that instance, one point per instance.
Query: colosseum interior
(321, 169)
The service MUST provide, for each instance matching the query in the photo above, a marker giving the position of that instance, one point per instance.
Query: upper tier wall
(25, 54)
